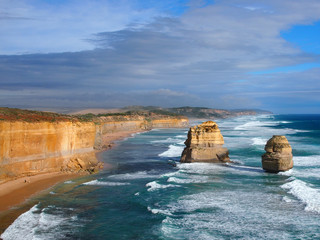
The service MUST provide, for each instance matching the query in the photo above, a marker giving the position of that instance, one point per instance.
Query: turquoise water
(142, 196)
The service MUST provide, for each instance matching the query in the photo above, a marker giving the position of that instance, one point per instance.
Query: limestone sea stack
(204, 144)
(278, 156)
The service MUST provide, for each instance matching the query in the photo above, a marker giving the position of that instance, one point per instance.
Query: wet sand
(17, 191)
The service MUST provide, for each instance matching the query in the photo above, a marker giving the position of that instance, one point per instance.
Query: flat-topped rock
(278, 156)
(204, 144)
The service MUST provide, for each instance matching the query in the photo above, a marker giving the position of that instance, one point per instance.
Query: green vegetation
(127, 113)
(14, 114)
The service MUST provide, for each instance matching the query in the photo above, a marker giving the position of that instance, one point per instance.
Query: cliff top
(15, 114)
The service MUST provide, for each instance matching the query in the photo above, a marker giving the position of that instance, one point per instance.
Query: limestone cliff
(278, 156)
(108, 125)
(29, 148)
(204, 144)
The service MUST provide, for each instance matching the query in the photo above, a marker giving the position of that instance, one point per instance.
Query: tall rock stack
(204, 144)
(278, 156)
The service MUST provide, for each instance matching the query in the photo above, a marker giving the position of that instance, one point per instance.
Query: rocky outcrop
(278, 156)
(29, 148)
(204, 144)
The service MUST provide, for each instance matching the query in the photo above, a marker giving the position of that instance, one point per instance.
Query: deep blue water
(142, 196)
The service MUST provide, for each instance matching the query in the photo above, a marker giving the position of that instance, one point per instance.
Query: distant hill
(201, 112)
(191, 112)
(14, 114)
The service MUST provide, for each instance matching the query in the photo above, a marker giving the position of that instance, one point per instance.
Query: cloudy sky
(113, 53)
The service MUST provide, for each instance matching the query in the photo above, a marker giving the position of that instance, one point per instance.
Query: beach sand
(15, 192)
(110, 139)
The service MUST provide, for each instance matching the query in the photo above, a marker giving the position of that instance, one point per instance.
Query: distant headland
(187, 111)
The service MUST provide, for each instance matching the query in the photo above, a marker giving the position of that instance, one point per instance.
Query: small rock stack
(278, 156)
(204, 144)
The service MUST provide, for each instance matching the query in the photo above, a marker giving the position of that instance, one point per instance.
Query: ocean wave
(153, 186)
(173, 151)
(200, 168)
(233, 213)
(182, 136)
(100, 183)
(302, 173)
(286, 173)
(168, 140)
(194, 202)
(135, 175)
(287, 199)
(157, 211)
(263, 128)
(191, 179)
(40, 224)
(309, 161)
(305, 193)
(298, 130)
(255, 124)
(259, 141)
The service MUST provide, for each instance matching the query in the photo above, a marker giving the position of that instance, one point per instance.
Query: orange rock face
(204, 144)
(29, 148)
(39, 147)
(278, 156)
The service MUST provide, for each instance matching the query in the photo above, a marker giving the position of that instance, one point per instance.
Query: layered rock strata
(278, 156)
(29, 148)
(205, 144)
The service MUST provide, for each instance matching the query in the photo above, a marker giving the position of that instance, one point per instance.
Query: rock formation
(204, 144)
(278, 156)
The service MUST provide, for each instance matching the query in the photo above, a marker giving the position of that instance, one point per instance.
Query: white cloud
(40, 27)
(205, 52)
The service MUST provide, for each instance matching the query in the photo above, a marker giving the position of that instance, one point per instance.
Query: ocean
(144, 195)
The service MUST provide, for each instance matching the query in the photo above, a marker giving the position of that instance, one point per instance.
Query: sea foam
(259, 141)
(39, 224)
(168, 140)
(309, 161)
(306, 193)
(173, 151)
(100, 183)
(191, 179)
(152, 186)
(135, 175)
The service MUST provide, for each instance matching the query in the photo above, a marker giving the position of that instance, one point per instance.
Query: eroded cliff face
(40, 147)
(109, 125)
(31, 148)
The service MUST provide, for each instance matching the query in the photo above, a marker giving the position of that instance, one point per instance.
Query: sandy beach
(109, 140)
(17, 191)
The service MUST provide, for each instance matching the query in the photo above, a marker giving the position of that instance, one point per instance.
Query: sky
(227, 54)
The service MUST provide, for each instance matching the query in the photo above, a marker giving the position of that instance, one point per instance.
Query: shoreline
(15, 193)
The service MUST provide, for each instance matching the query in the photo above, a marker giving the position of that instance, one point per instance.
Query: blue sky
(105, 53)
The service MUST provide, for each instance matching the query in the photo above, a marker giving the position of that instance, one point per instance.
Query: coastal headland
(39, 146)
(41, 149)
